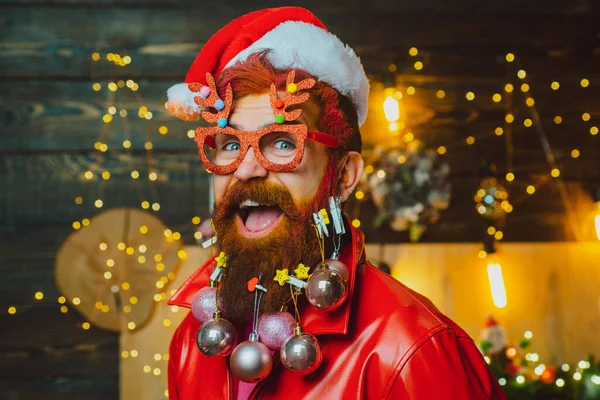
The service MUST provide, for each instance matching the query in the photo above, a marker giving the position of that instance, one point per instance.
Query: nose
(250, 168)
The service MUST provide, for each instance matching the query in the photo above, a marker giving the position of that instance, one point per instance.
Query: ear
(350, 171)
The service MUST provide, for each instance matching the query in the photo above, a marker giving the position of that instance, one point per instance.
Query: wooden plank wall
(50, 118)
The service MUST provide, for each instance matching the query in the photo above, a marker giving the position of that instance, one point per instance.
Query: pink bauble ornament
(275, 328)
(251, 361)
(326, 289)
(338, 266)
(301, 353)
(204, 304)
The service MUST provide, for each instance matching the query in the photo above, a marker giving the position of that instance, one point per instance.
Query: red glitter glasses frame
(204, 135)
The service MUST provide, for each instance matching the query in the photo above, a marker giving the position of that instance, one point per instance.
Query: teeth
(249, 203)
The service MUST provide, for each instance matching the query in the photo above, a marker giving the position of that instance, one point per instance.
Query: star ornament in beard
(262, 229)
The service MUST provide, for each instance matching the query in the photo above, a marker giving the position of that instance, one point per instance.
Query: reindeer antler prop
(290, 98)
(209, 98)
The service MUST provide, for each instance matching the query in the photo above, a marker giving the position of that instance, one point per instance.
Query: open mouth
(256, 219)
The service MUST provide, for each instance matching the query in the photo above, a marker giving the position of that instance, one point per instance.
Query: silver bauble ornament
(338, 266)
(301, 353)
(216, 337)
(251, 361)
(326, 289)
(204, 304)
(275, 328)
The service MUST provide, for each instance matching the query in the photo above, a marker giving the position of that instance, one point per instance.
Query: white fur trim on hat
(295, 44)
(181, 102)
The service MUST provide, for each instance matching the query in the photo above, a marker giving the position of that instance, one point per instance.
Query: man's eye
(232, 146)
(284, 144)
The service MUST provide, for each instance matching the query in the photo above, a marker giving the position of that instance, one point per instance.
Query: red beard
(293, 241)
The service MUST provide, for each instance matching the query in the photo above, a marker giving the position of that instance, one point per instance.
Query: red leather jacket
(385, 342)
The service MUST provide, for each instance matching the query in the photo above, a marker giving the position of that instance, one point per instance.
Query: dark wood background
(50, 118)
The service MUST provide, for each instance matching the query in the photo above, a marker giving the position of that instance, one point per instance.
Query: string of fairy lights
(396, 126)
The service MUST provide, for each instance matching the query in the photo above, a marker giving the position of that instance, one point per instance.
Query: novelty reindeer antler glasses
(278, 147)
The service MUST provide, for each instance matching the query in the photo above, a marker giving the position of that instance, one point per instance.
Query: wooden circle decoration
(118, 266)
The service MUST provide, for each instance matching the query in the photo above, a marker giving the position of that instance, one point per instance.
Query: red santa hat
(295, 38)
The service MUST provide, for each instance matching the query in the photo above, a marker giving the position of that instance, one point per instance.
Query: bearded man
(287, 102)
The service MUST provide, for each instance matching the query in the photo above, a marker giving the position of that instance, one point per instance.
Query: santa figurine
(493, 337)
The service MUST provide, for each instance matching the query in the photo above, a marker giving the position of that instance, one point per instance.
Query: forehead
(252, 112)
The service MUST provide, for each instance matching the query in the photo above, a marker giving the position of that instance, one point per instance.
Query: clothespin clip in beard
(321, 220)
(282, 277)
(335, 208)
(221, 261)
(212, 240)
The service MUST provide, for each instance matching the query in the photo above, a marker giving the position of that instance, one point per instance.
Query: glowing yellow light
(64, 309)
(560, 382)
(196, 220)
(131, 326)
(555, 173)
(103, 147)
(594, 130)
(157, 258)
(470, 96)
(555, 85)
(440, 94)
(76, 301)
(124, 354)
(497, 97)
(191, 133)
(174, 309)
(418, 65)
(197, 235)
(129, 251)
(127, 309)
(508, 88)
(586, 116)
(510, 177)
(585, 83)
(39, 295)
(381, 174)
(163, 130)
(577, 376)
(148, 115)
(135, 174)
(152, 176)
(160, 284)
(126, 144)
(393, 127)
(470, 140)
(134, 87)
(498, 131)
(123, 113)
(181, 254)
(96, 87)
(497, 284)
(521, 74)
(121, 246)
(597, 221)
(78, 200)
(509, 118)
(510, 57)
(408, 137)
(482, 254)
(410, 90)
(156, 371)
(491, 230)
(392, 67)
(413, 51)
(530, 102)
(12, 310)
(147, 368)
(145, 205)
(528, 122)
(110, 262)
(148, 145)
(155, 206)
(106, 175)
(126, 59)
(575, 153)
(441, 150)
(141, 259)
(143, 231)
(107, 275)
(98, 203)
(530, 189)
(391, 108)
(125, 285)
(85, 326)
(157, 297)
(356, 223)
(481, 209)
(160, 267)
(76, 225)
(157, 357)
(558, 119)
(62, 300)
(88, 175)
(524, 88)
(499, 235)
(167, 322)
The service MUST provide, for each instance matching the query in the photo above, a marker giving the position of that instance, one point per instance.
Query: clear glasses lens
(279, 147)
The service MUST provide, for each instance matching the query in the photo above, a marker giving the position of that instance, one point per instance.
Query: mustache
(260, 191)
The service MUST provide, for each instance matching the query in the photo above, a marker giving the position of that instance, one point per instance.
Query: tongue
(260, 218)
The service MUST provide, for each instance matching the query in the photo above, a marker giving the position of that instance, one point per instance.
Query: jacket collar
(314, 321)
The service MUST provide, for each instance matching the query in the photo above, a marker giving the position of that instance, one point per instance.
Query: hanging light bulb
(391, 106)
(496, 283)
